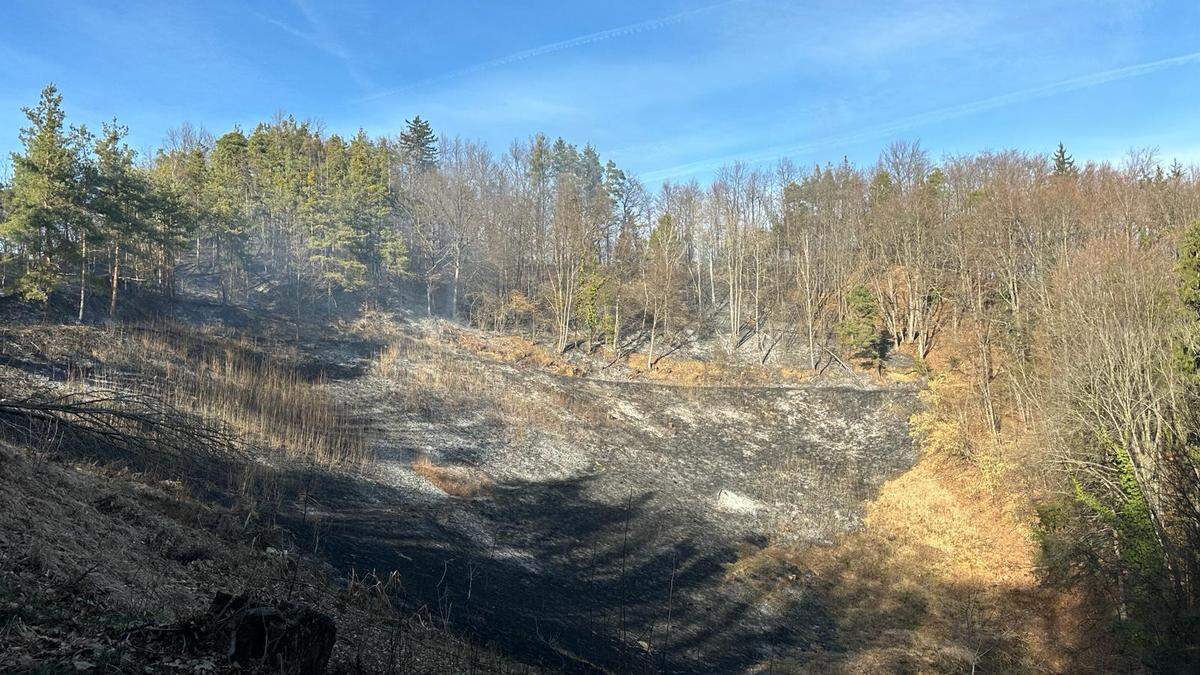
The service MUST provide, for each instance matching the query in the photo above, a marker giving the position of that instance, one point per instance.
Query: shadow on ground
(555, 578)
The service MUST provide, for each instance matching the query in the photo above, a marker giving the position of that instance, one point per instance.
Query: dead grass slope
(942, 575)
(253, 388)
(940, 578)
(98, 569)
(99, 565)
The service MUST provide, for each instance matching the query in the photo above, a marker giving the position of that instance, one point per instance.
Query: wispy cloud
(320, 37)
(582, 40)
(926, 118)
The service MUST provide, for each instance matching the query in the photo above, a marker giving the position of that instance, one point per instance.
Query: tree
(180, 175)
(732, 231)
(1187, 348)
(661, 277)
(1125, 430)
(418, 144)
(572, 239)
(47, 216)
(809, 211)
(1064, 164)
(366, 198)
(227, 200)
(858, 332)
(329, 209)
(121, 201)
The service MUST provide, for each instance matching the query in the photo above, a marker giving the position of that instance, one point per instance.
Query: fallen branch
(128, 422)
(842, 363)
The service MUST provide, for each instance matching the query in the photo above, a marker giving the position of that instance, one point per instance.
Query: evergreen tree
(858, 332)
(366, 185)
(121, 202)
(180, 177)
(46, 216)
(539, 161)
(171, 221)
(1064, 164)
(226, 200)
(565, 159)
(418, 144)
(1176, 172)
(882, 189)
(539, 174)
(333, 209)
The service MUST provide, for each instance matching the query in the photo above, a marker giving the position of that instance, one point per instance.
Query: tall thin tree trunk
(116, 275)
(454, 293)
(653, 331)
(617, 326)
(712, 282)
(82, 280)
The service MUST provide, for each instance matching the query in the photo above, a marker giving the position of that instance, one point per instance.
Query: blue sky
(666, 89)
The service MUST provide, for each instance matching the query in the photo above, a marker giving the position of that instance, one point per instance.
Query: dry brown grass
(278, 408)
(699, 373)
(457, 481)
(939, 579)
(515, 350)
(251, 389)
(942, 575)
(946, 531)
(437, 381)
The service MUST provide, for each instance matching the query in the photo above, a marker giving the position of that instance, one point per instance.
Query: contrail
(590, 38)
(940, 115)
(320, 39)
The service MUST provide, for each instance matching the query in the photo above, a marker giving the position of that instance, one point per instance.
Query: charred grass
(100, 571)
(100, 566)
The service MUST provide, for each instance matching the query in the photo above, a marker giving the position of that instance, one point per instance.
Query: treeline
(283, 206)
(1060, 299)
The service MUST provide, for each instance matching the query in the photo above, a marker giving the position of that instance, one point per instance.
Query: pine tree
(539, 160)
(418, 144)
(1064, 164)
(226, 201)
(334, 210)
(857, 331)
(565, 159)
(121, 201)
(180, 176)
(46, 216)
(1176, 172)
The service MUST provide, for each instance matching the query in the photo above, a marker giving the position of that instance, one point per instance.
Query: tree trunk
(454, 292)
(653, 331)
(82, 281)
(617, 327)
(116, 275)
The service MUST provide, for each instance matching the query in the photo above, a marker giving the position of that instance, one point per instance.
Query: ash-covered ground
(582, 522)
(591, 524)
